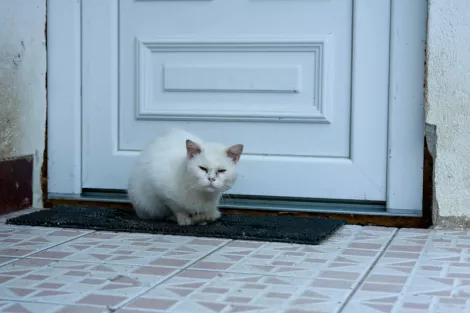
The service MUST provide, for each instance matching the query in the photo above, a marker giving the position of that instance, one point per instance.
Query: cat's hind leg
(151, 209)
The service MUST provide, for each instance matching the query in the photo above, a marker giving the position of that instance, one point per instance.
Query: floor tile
(5, 260)
(421, 271)
(20, 241)
(137, 249)
(58, 271)
(345, 256)
(65, 282)
(210, 291)
(34, 307)
(27, 307)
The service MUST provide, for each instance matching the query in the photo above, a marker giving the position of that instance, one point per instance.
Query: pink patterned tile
(103, 300)
(137, 249)
(205, 291)
(81, 309)
(25, 307)
(20, 241)
(5, 260)
(152, 304)
(346, 255)
(421, 271)
(35, 307)
(408, 304)
(66, 282)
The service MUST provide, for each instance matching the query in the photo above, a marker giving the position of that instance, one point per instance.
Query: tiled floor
(358, 270)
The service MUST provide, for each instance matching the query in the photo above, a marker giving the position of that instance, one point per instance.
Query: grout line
(115, 308)
(366, 275)
(9, 262)
(262, 274)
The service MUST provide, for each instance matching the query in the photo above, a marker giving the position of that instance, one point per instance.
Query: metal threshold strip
(257, 203)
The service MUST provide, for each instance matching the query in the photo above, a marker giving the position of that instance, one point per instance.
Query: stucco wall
(448, 107)
(23, 83)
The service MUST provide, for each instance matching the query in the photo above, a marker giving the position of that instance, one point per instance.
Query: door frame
(406, 101)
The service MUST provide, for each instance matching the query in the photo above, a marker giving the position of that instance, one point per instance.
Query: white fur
(167, 181)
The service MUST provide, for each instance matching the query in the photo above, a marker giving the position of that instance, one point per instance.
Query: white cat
(180, 176)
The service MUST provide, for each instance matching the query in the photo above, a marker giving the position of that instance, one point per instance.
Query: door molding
(406, 99)
(405, 154)
(64, 130)
(319, 46)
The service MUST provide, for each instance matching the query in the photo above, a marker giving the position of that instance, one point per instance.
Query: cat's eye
(221, 171)
(203, 168)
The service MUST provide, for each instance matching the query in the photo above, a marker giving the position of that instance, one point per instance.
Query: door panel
(285, 78)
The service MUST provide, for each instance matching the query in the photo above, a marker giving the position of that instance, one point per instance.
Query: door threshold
(353, 213)
(256, 204)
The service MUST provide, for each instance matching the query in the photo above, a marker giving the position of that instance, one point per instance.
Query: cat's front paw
(214, 215)
(206, 217)
(183, 219)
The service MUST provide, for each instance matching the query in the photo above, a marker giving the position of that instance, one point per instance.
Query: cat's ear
(234, 152)
(192, 149)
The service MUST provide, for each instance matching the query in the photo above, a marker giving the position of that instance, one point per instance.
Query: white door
(303, 84)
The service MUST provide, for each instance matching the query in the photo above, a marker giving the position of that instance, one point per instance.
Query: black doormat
(233, 226)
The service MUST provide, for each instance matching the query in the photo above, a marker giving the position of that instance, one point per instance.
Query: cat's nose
(211, 178)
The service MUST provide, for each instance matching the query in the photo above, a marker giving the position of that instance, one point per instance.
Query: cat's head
(213, 167)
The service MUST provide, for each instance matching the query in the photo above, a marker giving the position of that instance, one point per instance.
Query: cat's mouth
(211, 188)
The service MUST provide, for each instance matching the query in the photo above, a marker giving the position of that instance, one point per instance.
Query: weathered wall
(448, 108)
(23, 83)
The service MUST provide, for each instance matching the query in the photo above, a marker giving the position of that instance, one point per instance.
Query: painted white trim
(64, 100)
(370, 74)
(100, 78)
(406, 105)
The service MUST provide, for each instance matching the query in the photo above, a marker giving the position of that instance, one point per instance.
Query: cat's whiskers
(190, 188)
(224, 188)
(226, 197)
